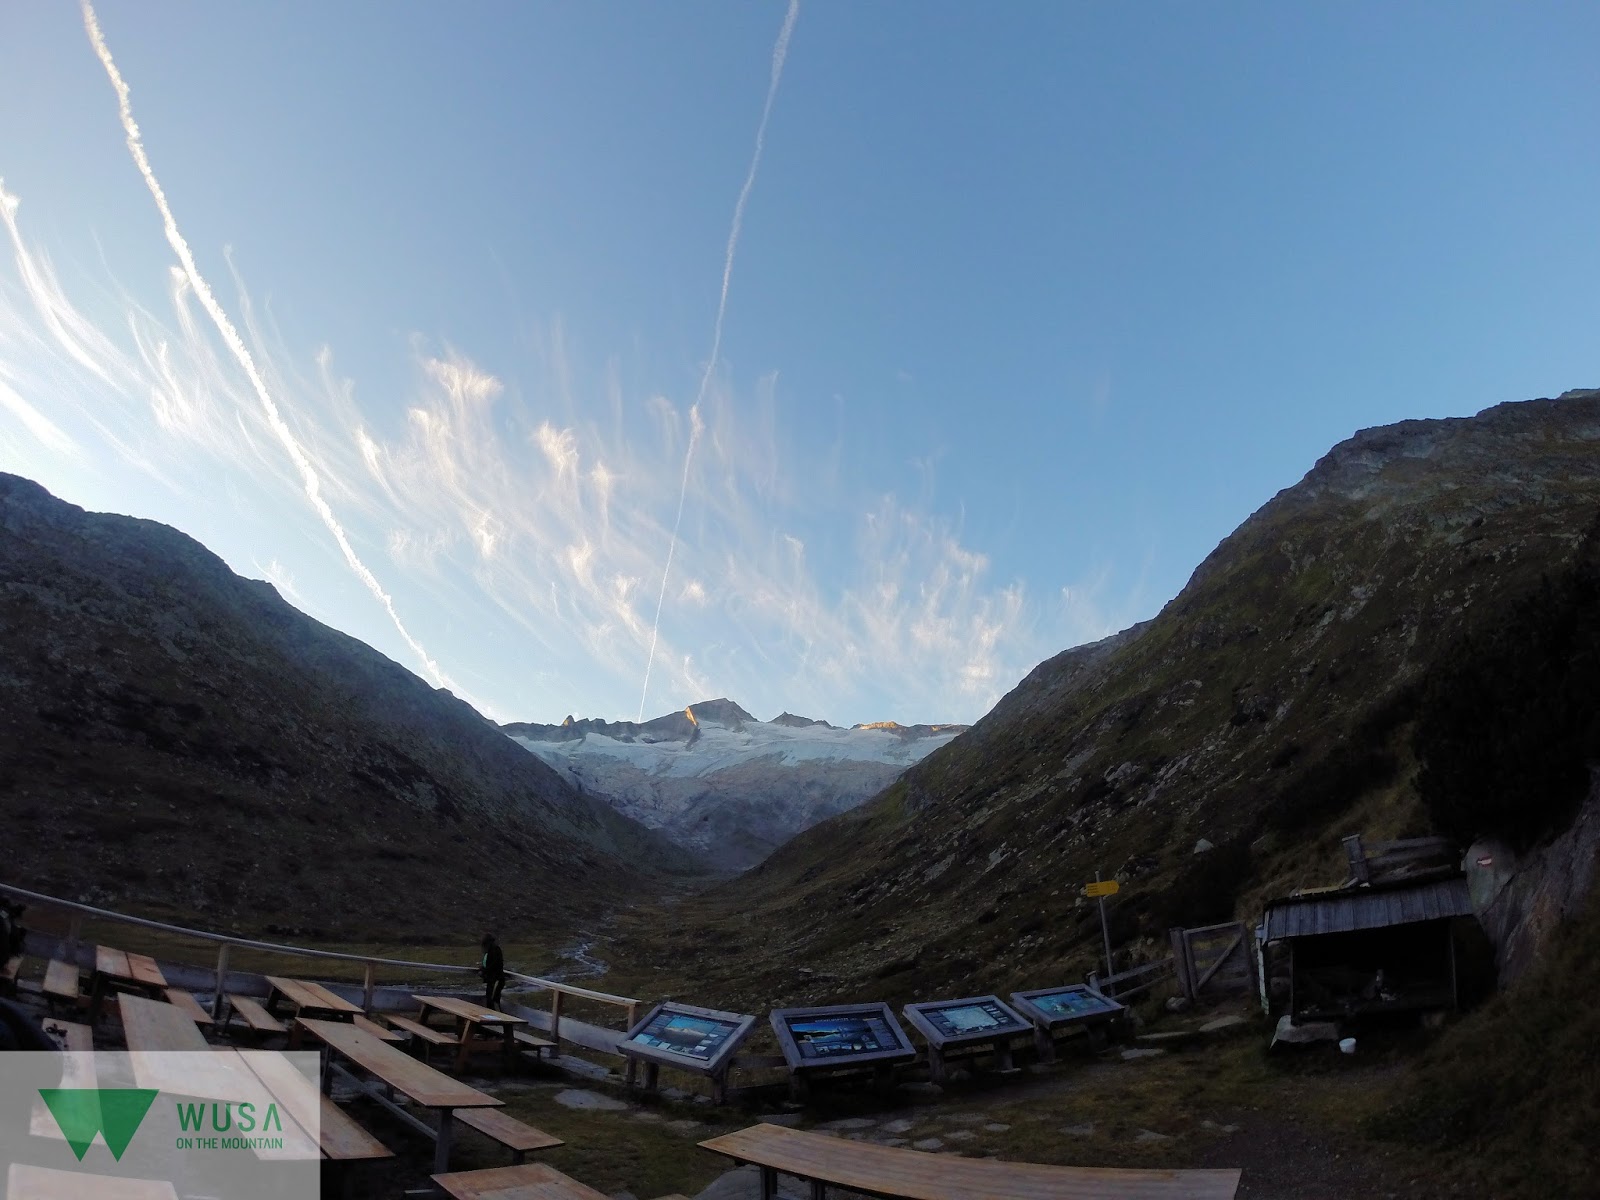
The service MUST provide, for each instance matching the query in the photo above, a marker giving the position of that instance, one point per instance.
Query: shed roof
(1367, 908)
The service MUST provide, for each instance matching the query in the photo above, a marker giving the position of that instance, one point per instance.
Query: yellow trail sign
(1108, 888)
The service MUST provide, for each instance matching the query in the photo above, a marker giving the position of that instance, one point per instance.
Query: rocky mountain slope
(1268, 709)
(723, 784)
(177, 738)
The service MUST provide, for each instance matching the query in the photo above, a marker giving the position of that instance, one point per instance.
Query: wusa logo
(115, 1113)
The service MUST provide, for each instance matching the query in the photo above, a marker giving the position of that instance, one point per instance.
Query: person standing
(493, 971)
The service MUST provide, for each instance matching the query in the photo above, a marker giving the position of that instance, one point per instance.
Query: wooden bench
(8, 975)
(188, 1006)
(537, 1046)
(423, 1034)
(67, 1035)
(376, 1030)
(61, 980)
(507, 1130)
(533, 1180)
(255, 1017)
(914, 1175)
(343, 1139)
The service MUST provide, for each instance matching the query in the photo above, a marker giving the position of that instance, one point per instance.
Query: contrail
(780, 51)
(230, 335)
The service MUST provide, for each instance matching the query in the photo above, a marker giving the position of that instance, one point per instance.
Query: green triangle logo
(83, 1112)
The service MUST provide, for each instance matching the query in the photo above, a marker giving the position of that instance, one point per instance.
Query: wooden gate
(1214, 961)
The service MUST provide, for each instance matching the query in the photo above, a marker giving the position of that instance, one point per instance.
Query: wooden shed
(1383, 948)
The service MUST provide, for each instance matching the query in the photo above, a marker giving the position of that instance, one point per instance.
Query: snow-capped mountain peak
(714, 778)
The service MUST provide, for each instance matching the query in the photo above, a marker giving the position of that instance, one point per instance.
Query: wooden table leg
(769, 1184)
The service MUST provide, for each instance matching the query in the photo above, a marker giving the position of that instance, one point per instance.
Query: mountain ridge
(181, 737)
(1267, 709)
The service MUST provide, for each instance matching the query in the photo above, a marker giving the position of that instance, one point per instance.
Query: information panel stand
(840, 1037)
(973, 1021)
(701, 1040)
(1071, 1006)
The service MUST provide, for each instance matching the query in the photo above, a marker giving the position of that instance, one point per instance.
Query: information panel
(974, 1019)
(1051, 1008)
(841, 1035)
(697, 1039)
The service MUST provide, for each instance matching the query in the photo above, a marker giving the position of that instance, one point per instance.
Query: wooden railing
(1134, 980)
(225, 943)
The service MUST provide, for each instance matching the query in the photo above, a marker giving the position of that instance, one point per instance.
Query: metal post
(1105, 931)
(555, 1022)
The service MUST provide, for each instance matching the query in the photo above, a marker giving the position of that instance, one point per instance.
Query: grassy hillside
(1271, 707)
(180, 741)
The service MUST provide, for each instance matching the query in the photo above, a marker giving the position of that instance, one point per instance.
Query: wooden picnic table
(902, 1174)
(469, 1018)
(343, 1139)
(308, 999)
(527, 1181)
(118, 970)
(168, 1052)
(398, 1071)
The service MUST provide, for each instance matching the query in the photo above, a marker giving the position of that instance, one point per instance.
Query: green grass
(1513, 1090)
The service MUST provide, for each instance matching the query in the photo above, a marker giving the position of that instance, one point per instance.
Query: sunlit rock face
(716, 780)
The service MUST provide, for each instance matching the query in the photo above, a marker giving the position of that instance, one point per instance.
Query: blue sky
(1030, 305)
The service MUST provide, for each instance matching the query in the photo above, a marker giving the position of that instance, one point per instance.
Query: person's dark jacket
(494, 964)
(20, 1030)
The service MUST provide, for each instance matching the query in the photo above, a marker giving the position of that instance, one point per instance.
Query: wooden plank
(24, 1182)
(376, 1030)
(150, 1025)
(61, 980)
(255, 1016)
(539, 1045)
(143, 971)
(341, 1137)
(188, 1006)
(1212, 969)
(328, 1000)
(68, 1035)
(424, 1085)
(528, 1181)
(434, 1037)
(112, 962)
(507, 1130)
(467, 1011)
(914, 1175)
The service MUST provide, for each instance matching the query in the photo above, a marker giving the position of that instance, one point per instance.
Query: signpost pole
(1105, 930)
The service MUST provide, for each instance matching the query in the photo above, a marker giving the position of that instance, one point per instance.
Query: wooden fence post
(222, 981)
(1358, 858)
(366, 991)
(1180, 962)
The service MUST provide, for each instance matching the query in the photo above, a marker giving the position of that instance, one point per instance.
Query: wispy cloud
(780, 52)
(539, 532)
(519, 519)
(311, 481)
